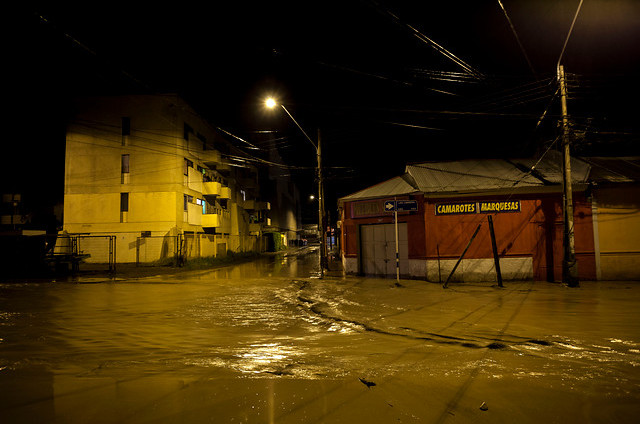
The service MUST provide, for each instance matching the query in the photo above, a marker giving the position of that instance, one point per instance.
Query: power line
(423, 38)
(515, 33)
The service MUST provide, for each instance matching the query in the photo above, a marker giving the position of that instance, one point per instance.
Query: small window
(124, 202)
(187, 130)
(187, 199)
(187, 164)
(126, 126)
(124, 167)
(203, 139)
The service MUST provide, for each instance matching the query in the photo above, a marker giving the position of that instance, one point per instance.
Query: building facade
(451, 203)
(149, 172)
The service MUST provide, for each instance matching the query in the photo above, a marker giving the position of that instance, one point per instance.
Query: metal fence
(74, 249)
(160, 250)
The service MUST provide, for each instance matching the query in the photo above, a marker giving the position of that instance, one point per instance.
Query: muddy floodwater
(269, 342)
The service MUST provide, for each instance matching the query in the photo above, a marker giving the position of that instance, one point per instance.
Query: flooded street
(266, 342)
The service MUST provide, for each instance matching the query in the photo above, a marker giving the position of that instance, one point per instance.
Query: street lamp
(271, 103)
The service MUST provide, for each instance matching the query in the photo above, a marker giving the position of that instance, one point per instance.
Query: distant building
(149, 172)
(277, 185)
(452, 199)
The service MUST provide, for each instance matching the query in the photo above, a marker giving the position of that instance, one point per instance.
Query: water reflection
(263, 333)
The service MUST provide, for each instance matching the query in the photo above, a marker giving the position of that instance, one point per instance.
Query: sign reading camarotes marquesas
(478, 207)
(501, 206)
(456, 208)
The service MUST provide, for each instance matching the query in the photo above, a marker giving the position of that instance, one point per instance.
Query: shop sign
(369, 208)
(502, 206)
(477, 207)
(456, 208)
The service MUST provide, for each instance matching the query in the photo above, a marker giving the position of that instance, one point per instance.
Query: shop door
(378, 249)
(547, 258)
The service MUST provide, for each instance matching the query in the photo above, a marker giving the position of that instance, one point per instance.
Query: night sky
(368, 74)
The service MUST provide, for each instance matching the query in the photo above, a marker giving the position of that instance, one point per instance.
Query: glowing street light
(271, 103)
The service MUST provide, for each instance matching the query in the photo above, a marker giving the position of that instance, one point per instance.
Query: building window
(124, 169)
(126, 130)
(126, 125)
(124, 202)
(187, 130)
(187, 199)
(187, 164)
(203, 139)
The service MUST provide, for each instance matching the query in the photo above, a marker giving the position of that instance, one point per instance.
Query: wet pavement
(266, 341)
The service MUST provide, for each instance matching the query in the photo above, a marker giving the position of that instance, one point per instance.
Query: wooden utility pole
(569, 263)
(321, 229)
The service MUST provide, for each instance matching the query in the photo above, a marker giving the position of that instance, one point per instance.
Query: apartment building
(149, 172)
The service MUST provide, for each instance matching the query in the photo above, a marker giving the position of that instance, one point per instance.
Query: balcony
(214, 188)
(211, 188)
(255, 205)
(220, 221)
(193, 214)
(254, 229)
(225, 193)
(211, 220)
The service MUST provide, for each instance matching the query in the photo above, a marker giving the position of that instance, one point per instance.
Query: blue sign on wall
(401, 205)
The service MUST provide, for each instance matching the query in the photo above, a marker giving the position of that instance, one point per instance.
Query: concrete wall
(529, 240)
(618, 232)
(160, 152)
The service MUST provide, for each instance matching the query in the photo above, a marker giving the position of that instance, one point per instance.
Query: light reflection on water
(264, 320)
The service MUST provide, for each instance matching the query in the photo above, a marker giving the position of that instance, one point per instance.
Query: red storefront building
(454, 198)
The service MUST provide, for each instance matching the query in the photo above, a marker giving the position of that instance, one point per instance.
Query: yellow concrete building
(616, 217)
(148, 171)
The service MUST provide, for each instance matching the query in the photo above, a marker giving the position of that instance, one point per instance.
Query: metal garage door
(378, 249)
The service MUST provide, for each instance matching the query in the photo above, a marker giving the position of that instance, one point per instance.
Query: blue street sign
(401, 205)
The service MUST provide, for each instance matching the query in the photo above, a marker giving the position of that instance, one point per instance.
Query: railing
(74, 249)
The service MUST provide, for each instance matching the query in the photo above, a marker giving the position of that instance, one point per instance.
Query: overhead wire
(426, 40)
(515, 33)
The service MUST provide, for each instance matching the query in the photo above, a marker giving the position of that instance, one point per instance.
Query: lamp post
(271, 103)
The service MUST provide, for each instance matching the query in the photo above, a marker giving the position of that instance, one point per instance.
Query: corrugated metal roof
(494, 174)
(396, 186)
(475, 175)
(468, 175)
(550, 168)
(614, 170)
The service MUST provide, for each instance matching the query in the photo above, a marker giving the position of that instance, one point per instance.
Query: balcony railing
(225, 193)
(255, 205)
(211, 188)
(220, 221)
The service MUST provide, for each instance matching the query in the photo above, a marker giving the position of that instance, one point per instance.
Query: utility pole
(569, 264)
(321, 231)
